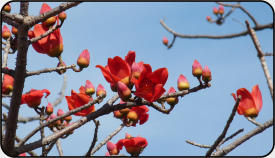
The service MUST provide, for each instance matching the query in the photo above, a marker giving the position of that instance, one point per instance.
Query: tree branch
(46, 70)
(222, 135)
(253, 121)
(62, 92)
(244, 138)
(94, 139)
(198, 145)
(256, 43)
(59, 148)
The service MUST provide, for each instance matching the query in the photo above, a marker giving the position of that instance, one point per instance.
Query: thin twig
(231, 136)
(108, 138)
(94, 139)
(244, 138)
(62, 92)
(222, 135)
(198, 145)
(256, 43)
(253, 121)
(42, 130)
(46, 70)
(59, 148)
(268, 54)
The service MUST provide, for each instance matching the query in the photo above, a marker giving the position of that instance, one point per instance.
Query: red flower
(118, 69)
(150, 84)
(133, 146)
(33, 97)
(7, 85)
(142, 114)
(251, 103)
(51, 45)
(79, 99)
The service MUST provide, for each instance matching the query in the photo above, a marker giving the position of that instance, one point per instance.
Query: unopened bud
(183, 84)
(6, 32)
(123, 91)
(196, 69)
(49, 109)
(89, 88)
(165, 41)
(206, 74)
(83, 60)
(7, 8)
(62, 16)
(172, 100)
(100, 90)
(49, 22)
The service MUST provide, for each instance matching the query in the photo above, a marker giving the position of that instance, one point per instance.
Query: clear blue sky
(112, 29)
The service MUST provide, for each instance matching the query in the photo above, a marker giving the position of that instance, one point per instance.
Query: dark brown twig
(94, 138)
(62, 92)
(222, 135)
(230, 137)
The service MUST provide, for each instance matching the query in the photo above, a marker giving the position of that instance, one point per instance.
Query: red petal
(119, 144)
(246, 100)
(106, 73)
(158, 91)
(82, 90)
(160, 76)
(118, 68)
(130, 57)
(44, 8)
(257, 96)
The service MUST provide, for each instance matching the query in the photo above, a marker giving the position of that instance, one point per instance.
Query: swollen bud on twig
(68, 118)
(128, 136)
(111, 147)
(206, 74)
(7, 8)
(183, 84)
(62, 16)
(165, 41)
(6, 32)
(89, 88)
(100, 90)
(208, 18)
(132, 116)
(118, 114)
(215, 10)
(221, 10)
(123, 91)
(14, 31)
(49, 109)
(83, 60)
(49, 22)
(196, 69)
(172, 100)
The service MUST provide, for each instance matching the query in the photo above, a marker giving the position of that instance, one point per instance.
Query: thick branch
(220, 138)
(12, 19)
(19, 80)
(59, 148)
(243, 33)
(256, 43)
(244, 138)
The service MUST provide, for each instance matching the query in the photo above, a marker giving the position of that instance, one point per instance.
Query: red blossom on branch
(251, 103)
(7, 85)
(79, 99)
(6, 32)
(133, 145)
(150, 84)
(33, 97)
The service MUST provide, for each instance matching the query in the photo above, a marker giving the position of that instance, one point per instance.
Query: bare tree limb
(94, 138)
(19, 81)
(198, 145)
(12, 19)
(109, 137)
(222, 135)
(62, 92)
(244, 138)
(253, 121)
(256, 43)
(46, 70)
(233, 35)
(59, 148)
(231, 136)
(268, 54)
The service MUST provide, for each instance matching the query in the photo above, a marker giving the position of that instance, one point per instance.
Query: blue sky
(112, 29)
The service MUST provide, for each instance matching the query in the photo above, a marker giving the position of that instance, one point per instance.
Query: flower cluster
(251, 103)
(124, 74)
(133, 145)
(219, 13)
(84, 97)
(132, 116)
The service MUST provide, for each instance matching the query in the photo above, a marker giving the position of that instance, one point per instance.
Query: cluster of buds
(90, 89)
(219, 13)
(197, 71)
(51, 20)
(58, 124)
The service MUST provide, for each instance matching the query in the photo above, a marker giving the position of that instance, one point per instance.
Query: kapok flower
(196, 69)
(142, 114)
(221, 9)
(112, 148)
(172, 100)
(123, 91)
(49, 109)
(79, 99)
(134, 145)
(251, 103)
(165, 40)
(7, 85)
(215, 10)
(33, 97)
(183, 84)
(7, 8)
(150, 84)
(6, 32)
(206, 74)
(118, 69)
(83, 60)
(52, 45)
(100, 90)
(89, 88)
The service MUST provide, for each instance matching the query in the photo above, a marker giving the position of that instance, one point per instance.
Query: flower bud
(62, 16)
(83, 60)
(6, 32)
(123, 91)
(172, 100)
(68, 118)
(100, 90)
(49, 22)
(206, 74)
(60, 112)
(7, 8)
(165, 41)
(215, 10)
(7, 84)
(128, 136)
(183, 84)
(196, 69)
(208, 18)
(89, 88)
(14, 31)
(132, 116)
(49, 109)
(61, 64)
(111, 147)
(221, 10)
(136, 69)
(118, 114)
